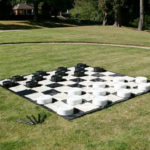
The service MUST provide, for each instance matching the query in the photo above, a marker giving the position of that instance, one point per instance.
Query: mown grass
(124, 126)
(44, 33)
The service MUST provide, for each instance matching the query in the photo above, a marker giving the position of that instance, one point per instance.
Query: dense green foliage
(86, 10)
(54, 7)
(115, 12)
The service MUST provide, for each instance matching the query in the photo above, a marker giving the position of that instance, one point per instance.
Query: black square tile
(54, 85)
(98, 80)
(54, 100)
(116, 75)
(77, 80)
(26, 92)
(77, 85)
(98, 75)
(51, 92)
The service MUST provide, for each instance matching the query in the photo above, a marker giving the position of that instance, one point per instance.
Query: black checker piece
(32, 84)
(9, 83)
(99, 69)
(17, 78)
(26, 92)
(61, 73)
(41, 73)
(64, 69)
(37, 77)
(57, 78)
(51, 92)
(78, 69)
(54, 85)
(81, 65)
(79, 74)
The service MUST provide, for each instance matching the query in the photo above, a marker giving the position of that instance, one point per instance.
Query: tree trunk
(105, 19)
(60, 13)
(117, 22)
(141, 20)
(36, 11)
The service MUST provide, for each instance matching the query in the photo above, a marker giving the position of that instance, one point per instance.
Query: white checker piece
(88, 97)
(111, 90)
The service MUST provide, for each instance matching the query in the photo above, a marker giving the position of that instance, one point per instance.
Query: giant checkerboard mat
(59, 90)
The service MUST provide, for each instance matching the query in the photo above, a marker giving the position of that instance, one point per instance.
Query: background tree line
(115, 12)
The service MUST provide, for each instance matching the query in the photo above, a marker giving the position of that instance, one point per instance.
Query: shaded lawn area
(29, 24)
(101, 34)
(124, 126)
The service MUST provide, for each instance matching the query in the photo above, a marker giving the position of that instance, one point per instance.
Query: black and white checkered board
(59, 90)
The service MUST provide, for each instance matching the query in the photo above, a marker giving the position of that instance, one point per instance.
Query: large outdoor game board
(76, 91)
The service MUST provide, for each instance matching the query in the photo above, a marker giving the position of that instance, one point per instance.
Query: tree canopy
(115, 12)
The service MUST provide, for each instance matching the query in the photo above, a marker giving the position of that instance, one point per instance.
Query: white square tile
(60, 96)
(55, 106)
(114, 98)
(41, 89)
(64, 89)
(18, 88)
(34, 96)
(85, 107)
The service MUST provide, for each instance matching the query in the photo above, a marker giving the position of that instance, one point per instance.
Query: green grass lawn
(46, 33)
(124, 126)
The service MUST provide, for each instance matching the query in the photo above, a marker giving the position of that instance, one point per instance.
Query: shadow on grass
(26, 25)
(16, 27)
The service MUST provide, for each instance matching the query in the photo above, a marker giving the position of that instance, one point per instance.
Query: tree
(117, 7)
(104, 6)
(86, 10)
(141, 20)
(36, 7)
(58, 6)
(5, 9)
(14, 2)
